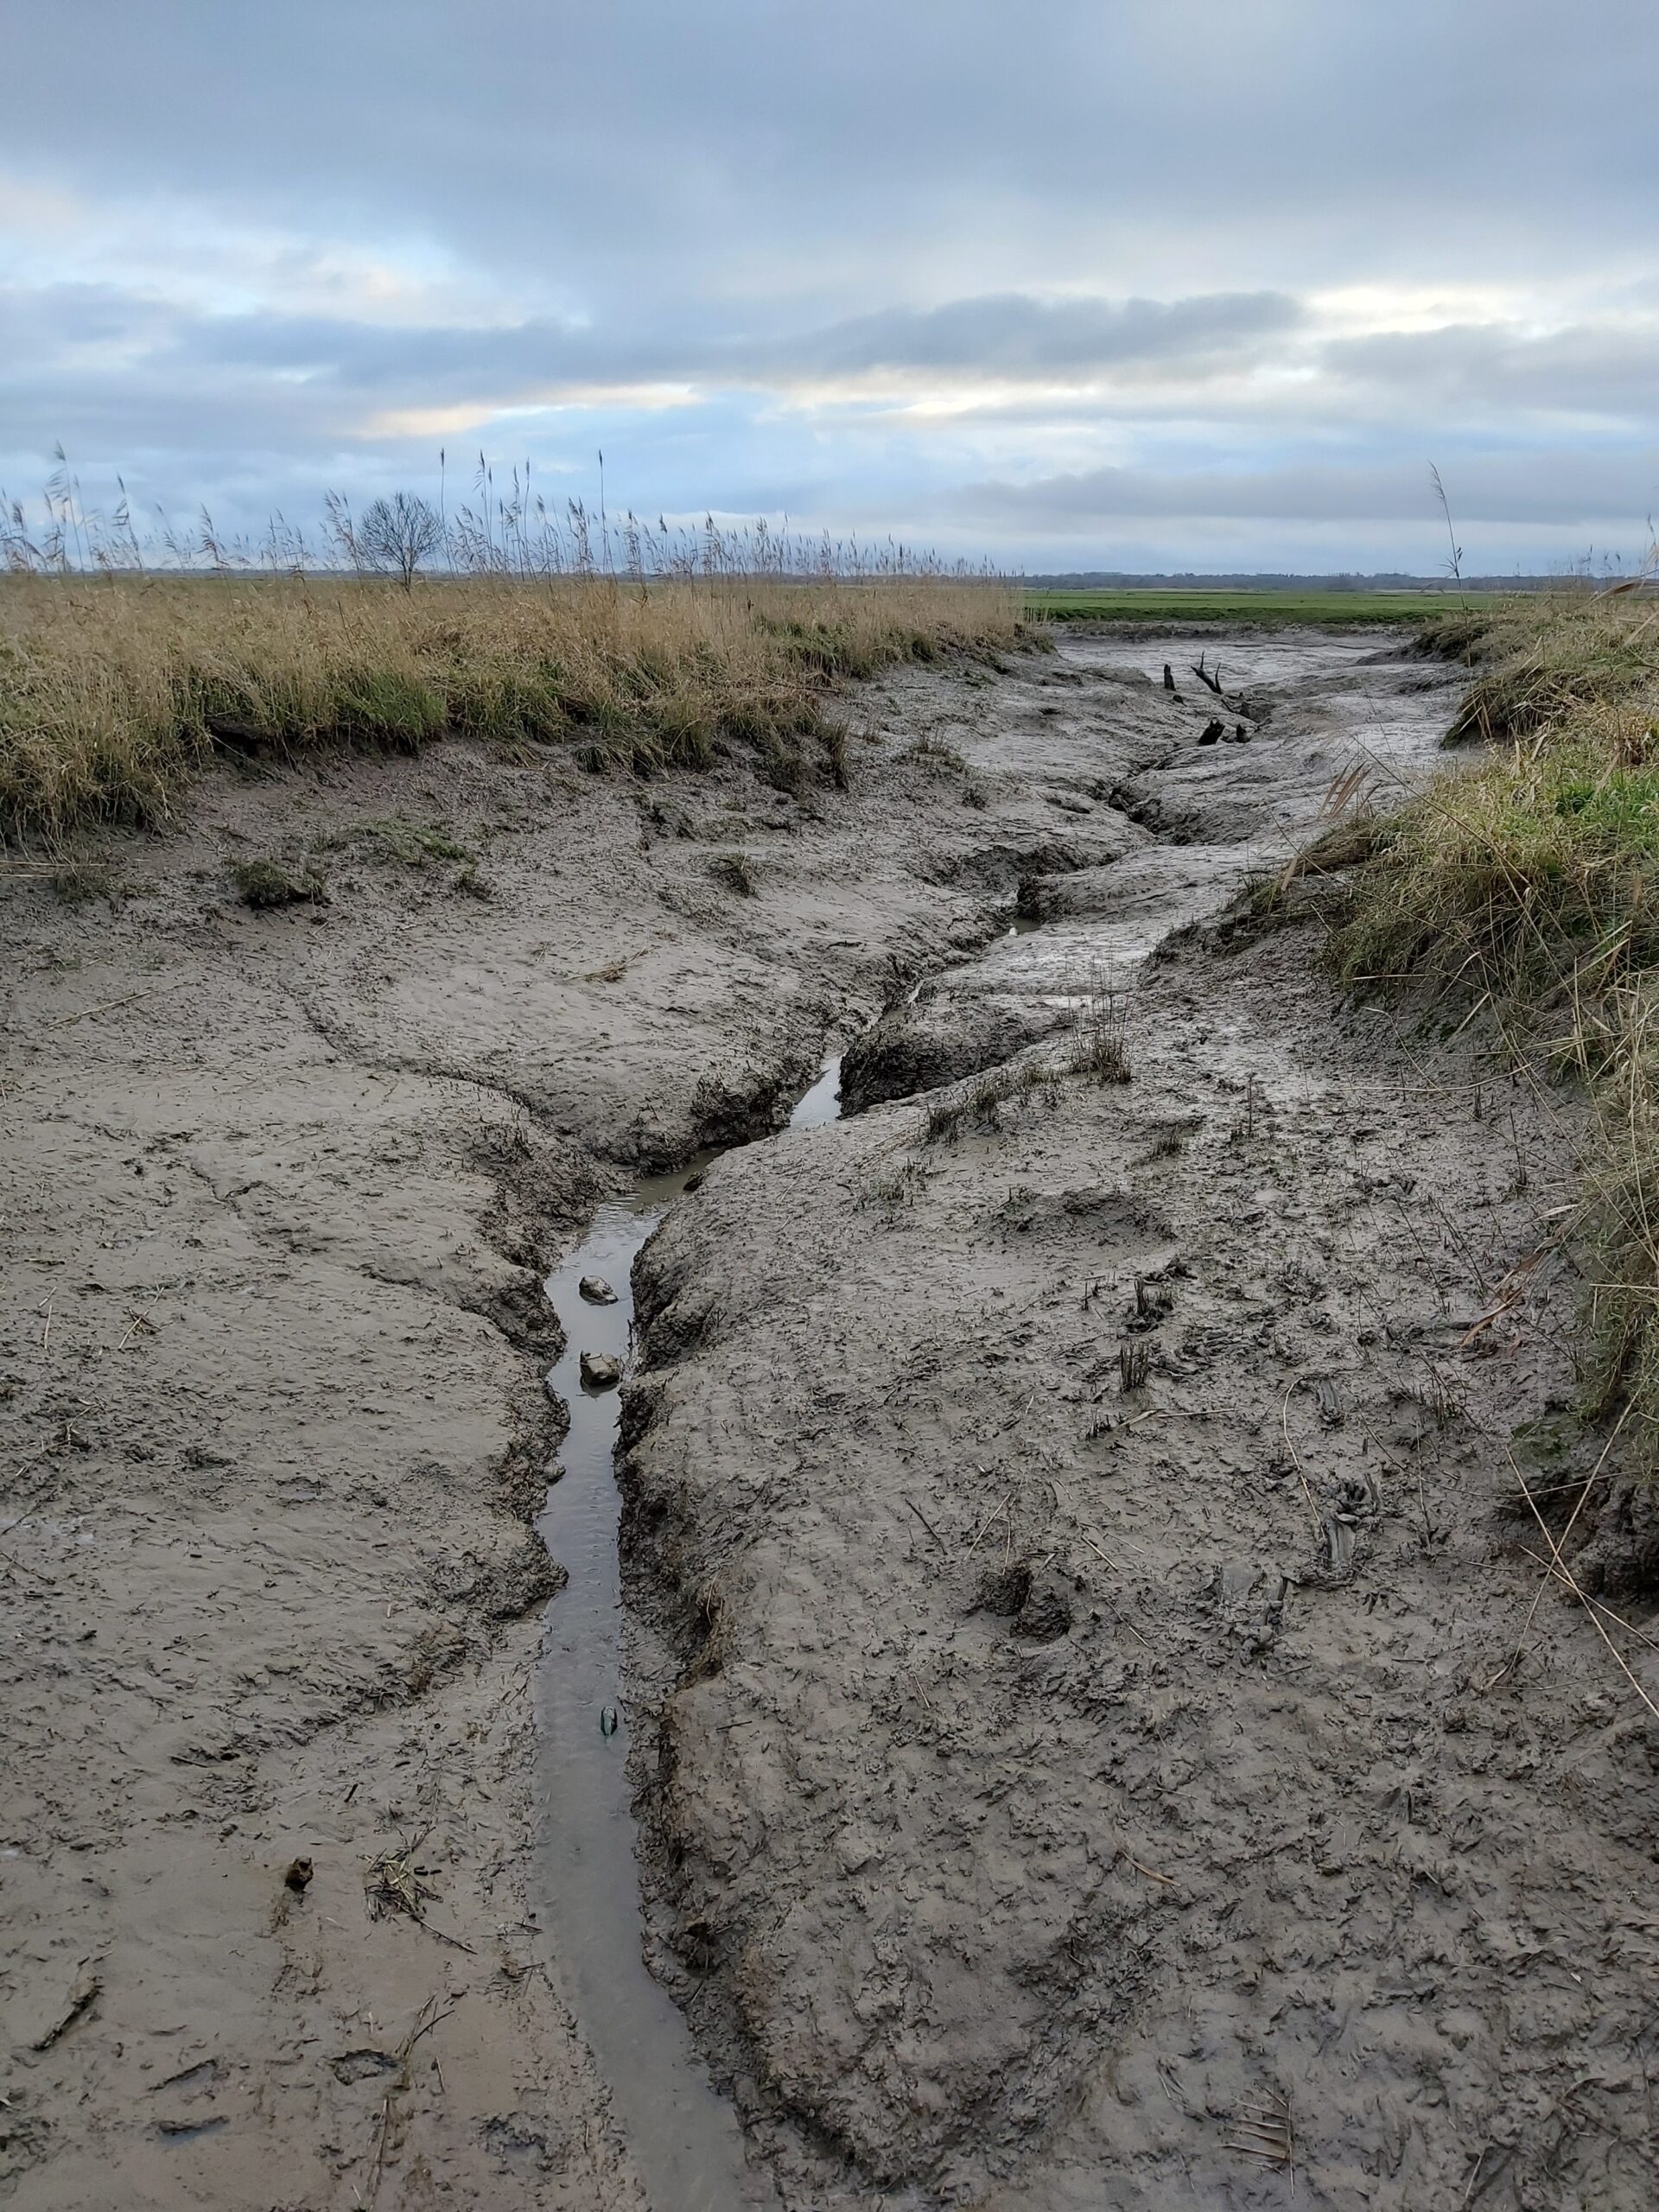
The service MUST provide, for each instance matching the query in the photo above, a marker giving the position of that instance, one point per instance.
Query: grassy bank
(115, 689)
(1525, 889)
(1265, 609)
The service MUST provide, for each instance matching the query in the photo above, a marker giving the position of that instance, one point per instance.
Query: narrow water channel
(683, 2134)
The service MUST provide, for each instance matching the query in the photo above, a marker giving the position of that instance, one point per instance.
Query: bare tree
(396, 535)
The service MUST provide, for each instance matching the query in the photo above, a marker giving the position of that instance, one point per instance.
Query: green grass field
(1266, 609)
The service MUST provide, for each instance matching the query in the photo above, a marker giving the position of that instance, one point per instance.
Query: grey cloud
(40, 322)
(345, 364)
(1577, 489)
(1585, 368)
(1012, 334)
(1009, 334)
(648, 136)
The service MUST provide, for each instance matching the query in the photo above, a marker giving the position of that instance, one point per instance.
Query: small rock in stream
(596, 1291)
(600, 1371)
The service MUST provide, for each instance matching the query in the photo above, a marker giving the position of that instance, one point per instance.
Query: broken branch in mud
(394, 1883)
(1514, 1659)
(987, 1525)
(82, 2000)
(1630, 1627)
(1565, 1573)
(426, 2019)
(109, 1006)
(925, 1522)
(1269, 2133)
(1151, 1873)
(1509, 1292)
(45, 1581)
(1295, 1460)
(1212, 682)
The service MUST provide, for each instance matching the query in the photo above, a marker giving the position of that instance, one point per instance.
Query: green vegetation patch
(1526, 888)
(1265, 609)
(263, 884)
(415, 844)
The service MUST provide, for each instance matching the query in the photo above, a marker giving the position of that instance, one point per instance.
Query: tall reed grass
(121, 677)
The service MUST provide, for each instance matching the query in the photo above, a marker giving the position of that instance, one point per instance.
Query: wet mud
(1049, 1705)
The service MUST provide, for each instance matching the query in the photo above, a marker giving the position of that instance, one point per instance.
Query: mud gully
(1030, 1688)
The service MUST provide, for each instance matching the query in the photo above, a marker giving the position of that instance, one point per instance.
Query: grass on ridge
(1528, 885)
(114, 689)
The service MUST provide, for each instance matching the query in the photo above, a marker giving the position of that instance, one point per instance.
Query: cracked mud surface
(1048, 1779)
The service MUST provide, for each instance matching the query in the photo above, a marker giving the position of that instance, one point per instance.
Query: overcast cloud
(1134, 283)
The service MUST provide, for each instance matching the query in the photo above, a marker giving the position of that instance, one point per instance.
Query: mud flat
(280, 1191)
(1041, 1782)
(1117, 1752)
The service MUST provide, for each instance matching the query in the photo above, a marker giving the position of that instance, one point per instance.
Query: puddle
(683, 2134)
(823, 1102)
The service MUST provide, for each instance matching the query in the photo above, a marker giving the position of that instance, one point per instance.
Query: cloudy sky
(1097, 283)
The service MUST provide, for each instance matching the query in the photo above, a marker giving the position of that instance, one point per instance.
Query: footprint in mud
(1033, 1603)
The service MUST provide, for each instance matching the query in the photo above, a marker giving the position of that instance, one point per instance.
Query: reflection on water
(683, 2134)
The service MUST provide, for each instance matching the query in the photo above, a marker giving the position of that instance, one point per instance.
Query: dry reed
(114, 689)
(129, 656)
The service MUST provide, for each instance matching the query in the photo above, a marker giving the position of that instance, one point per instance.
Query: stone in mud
(600, 1371)
(596, 1291)
(916, 1048)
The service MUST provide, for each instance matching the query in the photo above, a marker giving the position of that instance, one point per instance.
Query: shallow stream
(683, 2136)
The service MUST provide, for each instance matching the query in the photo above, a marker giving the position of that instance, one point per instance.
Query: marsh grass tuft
(1526, 888)
(1101, 1049)
(935, 756)
(1549, 663)
(979, 1106)
(79, 882)
(263, 884)
(415, 844)
(737, 871)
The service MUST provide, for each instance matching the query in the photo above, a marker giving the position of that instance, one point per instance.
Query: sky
(1136, 285)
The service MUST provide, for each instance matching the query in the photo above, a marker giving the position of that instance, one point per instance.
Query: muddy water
(683, 2134)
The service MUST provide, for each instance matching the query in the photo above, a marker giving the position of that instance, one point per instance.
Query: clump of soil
(926, 1046)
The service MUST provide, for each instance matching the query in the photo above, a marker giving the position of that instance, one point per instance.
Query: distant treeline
(1266, 579)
